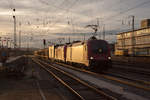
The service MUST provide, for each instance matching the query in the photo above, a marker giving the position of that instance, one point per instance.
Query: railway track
(83, 90)
(132, 69)
(127, 78)
(140, 69)
(140, 84)
(138, 65)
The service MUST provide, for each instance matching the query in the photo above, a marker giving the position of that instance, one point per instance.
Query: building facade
(135, 42)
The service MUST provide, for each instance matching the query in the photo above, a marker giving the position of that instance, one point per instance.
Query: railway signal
(44, 42)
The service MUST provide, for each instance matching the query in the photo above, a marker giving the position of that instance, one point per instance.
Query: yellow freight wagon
(51, 52)
(59, 53)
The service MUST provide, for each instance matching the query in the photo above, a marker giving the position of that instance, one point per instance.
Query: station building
(135, 42)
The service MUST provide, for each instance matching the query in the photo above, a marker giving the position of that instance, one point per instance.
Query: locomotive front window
(99, 47)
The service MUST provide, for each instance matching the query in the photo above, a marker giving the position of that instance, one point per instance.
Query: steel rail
(108, 77)
(123, 77)
(82, 82)
(60, 80)
(137, 65)
(135, 70)
(79, 69)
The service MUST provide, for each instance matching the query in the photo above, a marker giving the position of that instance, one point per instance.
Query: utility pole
(98, 27)
(20, 35)
(0, 42)
(7, 39)
(100, 24)
(69, 39)
(83, 37)
(133, 38)
(11, 41)
(104, 32)
(14, 17)
(44, 43)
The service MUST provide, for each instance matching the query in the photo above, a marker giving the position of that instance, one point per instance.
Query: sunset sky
(58, 19)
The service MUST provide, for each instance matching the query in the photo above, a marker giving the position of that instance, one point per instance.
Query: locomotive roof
(96, 40)
(59, 45)
(81, 43)
(76, 43)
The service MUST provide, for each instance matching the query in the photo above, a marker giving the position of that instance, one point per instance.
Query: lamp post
(0, 42)
(133, 36)
(14, 17)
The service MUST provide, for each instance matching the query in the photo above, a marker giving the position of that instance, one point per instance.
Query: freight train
(93, 54)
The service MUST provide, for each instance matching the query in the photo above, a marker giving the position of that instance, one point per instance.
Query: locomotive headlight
(91, 58)
(100, 50)
(109, 58)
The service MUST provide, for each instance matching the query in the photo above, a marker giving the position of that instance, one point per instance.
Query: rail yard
(74, 50)
(38, 77)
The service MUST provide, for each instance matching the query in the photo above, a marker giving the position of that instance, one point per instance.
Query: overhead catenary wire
(108, 19)
(64, 10)
(43, 1)
(59, 6)
(11, 4)
(125, 11)
(67, 9)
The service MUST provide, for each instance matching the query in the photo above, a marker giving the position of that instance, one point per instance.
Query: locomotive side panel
(68, 54)
(59, 53)
(77, 53)
(85, 55)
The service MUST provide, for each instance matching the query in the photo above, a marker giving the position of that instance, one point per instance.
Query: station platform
(11, 62)
(11, 59)
(34, 84)
(26, 90)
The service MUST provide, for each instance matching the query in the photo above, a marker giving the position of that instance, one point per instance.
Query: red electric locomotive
(99, 54)
(94, 54)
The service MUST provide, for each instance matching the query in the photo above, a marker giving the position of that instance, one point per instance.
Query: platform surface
(38, 87)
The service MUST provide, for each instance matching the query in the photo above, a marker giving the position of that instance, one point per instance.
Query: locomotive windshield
(99, 47)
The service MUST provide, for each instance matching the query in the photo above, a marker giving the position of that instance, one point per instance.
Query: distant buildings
(135, 42)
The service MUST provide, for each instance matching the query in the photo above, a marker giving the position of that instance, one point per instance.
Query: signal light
(44, 41)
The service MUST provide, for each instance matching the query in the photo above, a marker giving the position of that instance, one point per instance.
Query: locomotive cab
(99, 54)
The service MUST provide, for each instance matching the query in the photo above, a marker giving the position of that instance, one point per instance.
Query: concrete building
(135, 42)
